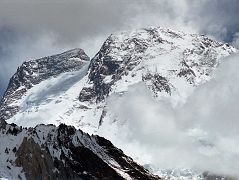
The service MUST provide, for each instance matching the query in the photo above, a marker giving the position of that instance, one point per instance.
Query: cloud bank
(202, 134)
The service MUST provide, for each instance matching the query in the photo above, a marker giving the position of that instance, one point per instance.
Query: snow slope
(35, 72)
(51, 101)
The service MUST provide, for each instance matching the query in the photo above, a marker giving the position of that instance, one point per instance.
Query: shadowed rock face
(47, 152)
(36, 162)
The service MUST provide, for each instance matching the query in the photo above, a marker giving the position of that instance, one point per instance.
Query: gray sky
(31, 29)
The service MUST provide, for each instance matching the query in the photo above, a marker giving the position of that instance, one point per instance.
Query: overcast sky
(31, 29)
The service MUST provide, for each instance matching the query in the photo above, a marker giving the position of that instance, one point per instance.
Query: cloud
(202, 134)
(215, 17)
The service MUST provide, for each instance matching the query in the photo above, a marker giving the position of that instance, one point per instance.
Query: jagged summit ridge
(158, 57)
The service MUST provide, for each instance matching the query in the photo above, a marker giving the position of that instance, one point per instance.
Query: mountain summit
(33, 72)
(68, 88)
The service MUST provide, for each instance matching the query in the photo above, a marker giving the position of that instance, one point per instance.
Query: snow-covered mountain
(69, 88)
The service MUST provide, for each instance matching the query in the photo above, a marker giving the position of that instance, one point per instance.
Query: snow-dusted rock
(50, 152)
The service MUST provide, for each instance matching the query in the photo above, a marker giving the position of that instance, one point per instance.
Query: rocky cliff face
(50, 152)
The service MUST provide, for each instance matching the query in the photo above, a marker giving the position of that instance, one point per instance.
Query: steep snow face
(51, 101)
(62, 152)
(171, 64)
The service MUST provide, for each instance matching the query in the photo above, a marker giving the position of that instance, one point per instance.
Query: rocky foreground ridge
(50, 152)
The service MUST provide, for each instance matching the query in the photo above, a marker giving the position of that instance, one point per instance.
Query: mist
(201, 134)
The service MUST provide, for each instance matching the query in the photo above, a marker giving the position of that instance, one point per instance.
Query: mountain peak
(158, 57)
(33, 72)
(161, 52)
